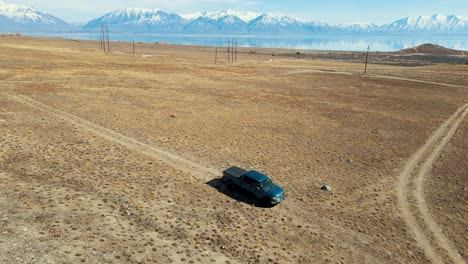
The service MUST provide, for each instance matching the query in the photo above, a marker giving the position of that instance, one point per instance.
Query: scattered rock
(326, 188)
(173, 115)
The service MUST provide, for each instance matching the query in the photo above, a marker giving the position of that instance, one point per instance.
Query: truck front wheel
(266, 201)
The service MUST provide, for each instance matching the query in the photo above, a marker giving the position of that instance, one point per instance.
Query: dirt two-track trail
(196, 170)
(416, 169)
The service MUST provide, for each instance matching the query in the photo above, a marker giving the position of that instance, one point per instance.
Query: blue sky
(330, 11)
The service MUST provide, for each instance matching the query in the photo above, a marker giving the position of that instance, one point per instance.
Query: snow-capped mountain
(25, 14)
(319, 27)
(139, 20)
(240, 22)
(427, 24)
(207, 25)
(272, 24)
(20, 18)
(229, 21)
(244, 16)
(359, 28)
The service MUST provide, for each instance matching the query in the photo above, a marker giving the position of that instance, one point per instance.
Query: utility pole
(107, 33)
(235, 58)
(100, 38)
(229, 50)
(103, 38)
(367, 60)
(232, 51)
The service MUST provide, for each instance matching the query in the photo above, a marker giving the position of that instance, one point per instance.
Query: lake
(316, 42)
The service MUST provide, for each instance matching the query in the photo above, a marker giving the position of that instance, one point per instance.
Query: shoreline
(320, 42)
(399, 58)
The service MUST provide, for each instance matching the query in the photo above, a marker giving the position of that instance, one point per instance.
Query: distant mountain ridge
(19, 18)
(428, 24)
(140, 20)
(244, 16)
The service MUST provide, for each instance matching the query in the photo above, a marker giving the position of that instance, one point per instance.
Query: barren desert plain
(116, 157)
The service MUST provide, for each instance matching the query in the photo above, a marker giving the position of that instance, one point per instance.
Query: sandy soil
(115, 157)
(448, 194)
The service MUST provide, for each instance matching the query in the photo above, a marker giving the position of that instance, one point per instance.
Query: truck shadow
(237, 194)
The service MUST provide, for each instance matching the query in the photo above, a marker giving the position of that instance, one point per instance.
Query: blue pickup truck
(254, 182)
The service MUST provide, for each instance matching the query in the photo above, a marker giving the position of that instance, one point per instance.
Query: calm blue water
(317, 42)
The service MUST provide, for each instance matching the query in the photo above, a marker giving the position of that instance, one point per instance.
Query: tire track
(317, 71)
(445, 131)
(199, 171)
(414, 80)
(437, 142)
(377, 76)
(443, 241)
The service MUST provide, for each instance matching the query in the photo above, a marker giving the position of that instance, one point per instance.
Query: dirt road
(428, 154)
(198, 171)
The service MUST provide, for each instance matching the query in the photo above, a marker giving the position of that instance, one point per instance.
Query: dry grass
(69, 195)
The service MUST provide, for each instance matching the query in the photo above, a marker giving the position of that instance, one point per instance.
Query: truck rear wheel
(230, 184)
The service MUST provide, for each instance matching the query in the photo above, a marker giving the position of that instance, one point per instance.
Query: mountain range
(237, 22)
(19, 18)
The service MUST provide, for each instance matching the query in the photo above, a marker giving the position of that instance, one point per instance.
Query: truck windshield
(266, 184)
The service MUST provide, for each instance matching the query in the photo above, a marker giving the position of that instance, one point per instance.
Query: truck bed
(234, 171)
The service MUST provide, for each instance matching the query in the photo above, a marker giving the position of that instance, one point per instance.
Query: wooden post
(134, 47)
(216, 55)
(367, 60)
